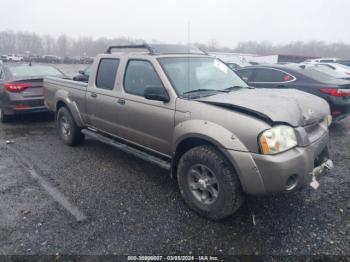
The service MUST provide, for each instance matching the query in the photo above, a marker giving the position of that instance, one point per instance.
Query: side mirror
(156, 93)
(82, 72)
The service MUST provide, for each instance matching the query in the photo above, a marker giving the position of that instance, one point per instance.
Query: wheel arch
(73, 109)
(192, 133)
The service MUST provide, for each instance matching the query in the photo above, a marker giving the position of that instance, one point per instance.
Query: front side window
(191, 74)
(139, 76)
(271, 76)
(106, 73)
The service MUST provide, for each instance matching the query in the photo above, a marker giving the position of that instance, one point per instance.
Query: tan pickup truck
(187, 112)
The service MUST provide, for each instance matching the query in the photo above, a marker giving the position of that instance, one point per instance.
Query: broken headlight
(277, 140)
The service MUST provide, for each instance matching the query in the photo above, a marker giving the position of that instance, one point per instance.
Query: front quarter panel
(209, 131)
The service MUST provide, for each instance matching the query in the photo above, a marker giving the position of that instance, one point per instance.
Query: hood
(290, 106)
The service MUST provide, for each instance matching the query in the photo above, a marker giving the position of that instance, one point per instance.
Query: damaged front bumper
(263, 174)
(319, 171)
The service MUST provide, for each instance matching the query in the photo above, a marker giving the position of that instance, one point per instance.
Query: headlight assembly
(277, 139)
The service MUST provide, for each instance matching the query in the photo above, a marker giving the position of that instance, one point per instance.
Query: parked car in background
(335, 66)
(51, 59)
(329, 60)
(83, 75)
(12, 58)
(335, 91)
(21, 88)
(329, 70)
(189, 113)
(322, 60)
(344, 62)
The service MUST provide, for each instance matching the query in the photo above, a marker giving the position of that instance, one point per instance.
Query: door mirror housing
(82, 72)
(156, 93)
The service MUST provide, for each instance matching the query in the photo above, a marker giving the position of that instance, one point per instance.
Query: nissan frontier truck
(185, 111)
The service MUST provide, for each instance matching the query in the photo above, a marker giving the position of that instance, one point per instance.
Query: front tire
(208, 183)
(68, 130)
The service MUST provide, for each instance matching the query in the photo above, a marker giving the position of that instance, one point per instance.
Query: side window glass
(271, 75)
(1, 74)
(245, 74)
(106, 73)
(140, 75)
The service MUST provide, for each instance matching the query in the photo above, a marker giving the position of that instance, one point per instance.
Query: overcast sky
(226, 21)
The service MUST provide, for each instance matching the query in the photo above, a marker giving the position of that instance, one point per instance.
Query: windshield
(188, 74)
(33, 71)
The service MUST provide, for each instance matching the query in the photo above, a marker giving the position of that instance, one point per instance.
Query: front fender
(230, 145)
(209, 131)
(63, 96)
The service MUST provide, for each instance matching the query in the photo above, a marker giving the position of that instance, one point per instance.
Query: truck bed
(55, 87)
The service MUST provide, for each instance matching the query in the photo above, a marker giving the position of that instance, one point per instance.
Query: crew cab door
(147, 123)
(102, 97)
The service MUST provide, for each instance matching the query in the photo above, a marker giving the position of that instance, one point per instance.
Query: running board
(128, 149)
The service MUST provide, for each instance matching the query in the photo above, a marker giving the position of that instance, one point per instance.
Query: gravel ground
(133, 207)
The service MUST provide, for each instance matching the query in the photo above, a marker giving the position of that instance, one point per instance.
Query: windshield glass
(188, 74)
(33, 71)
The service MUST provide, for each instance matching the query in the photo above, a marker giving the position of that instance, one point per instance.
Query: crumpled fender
(214, 133)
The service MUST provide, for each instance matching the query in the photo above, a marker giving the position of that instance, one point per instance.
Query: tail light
(336, 92)
(16, 87)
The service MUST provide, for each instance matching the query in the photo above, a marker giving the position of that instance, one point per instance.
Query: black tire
(68, 130)
(228, 196)
(3, 117)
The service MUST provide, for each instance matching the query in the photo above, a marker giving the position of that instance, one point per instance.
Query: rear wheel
(208, 183)
(3, 117)
(68, 130)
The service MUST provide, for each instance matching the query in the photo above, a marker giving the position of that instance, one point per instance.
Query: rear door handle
(94, 95)
(121, 101)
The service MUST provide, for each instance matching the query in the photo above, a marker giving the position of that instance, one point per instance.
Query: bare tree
(24, 42)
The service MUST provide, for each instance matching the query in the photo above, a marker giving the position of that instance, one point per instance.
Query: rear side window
(106, 73)
(271, 76)
(140, 75)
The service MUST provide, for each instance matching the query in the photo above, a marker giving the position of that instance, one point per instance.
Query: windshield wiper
(201, 90)
(234, 87)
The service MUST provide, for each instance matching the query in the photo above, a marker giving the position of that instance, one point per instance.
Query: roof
(157, 49)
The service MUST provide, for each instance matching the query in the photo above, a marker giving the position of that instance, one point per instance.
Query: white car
(12, 58)
(336, 67)
(329, 70)
(322, 60)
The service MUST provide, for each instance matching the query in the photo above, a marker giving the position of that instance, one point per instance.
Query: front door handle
(121, 101)
(94, 95)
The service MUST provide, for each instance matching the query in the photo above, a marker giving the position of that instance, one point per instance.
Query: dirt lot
(94, 199)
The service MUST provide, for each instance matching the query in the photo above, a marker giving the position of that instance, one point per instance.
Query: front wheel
(208, 183)
(68, 130)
